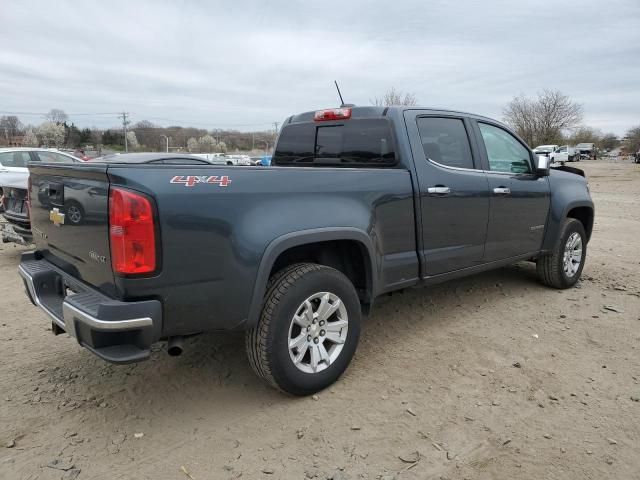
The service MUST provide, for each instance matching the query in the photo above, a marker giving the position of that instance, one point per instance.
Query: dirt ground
(489, 377)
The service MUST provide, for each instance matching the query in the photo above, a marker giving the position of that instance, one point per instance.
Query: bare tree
(10, 126)
(585, 135)
(609, 141)
(56, 115)
(544, 119)
(632, 140)
(395, 97)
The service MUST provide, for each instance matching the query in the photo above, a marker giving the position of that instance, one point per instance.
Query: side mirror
(543, 166)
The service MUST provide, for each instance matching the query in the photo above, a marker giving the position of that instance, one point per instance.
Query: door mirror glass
(543, 165)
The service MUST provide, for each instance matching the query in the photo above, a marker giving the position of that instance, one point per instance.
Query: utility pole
(253, 140)
(275, 124)
(125, 122)
(167, 139)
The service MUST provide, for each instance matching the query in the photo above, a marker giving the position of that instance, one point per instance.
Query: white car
(13, 163)
(14, 178)
(238, 160)
(545, 149)
(565, 153)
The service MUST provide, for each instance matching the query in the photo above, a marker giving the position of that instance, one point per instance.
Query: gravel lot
(493, 376)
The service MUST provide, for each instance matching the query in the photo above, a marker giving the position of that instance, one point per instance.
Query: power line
(68, 114)
(183, 122)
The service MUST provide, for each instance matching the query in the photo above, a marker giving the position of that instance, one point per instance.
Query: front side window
(445, 141)
(504, 151)
(354, 143)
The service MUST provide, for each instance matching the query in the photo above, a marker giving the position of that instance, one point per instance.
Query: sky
(246, 64)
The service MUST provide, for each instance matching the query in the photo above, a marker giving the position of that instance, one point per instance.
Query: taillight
(332, 114)
(132, 232)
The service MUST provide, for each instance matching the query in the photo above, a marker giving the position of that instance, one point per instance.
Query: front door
(454, 202)
(519, 199)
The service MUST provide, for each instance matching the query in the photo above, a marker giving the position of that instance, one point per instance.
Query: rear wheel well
(585, 216)
(347, 256)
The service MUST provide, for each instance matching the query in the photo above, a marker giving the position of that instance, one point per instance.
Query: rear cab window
(366, 142)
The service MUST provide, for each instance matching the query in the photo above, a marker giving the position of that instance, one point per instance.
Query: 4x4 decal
(192, 180)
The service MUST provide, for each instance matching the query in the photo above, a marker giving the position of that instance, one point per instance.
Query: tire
(74, 213)
(551, 268)
(268, 343)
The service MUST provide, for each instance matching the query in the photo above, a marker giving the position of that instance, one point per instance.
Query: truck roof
(381, 111)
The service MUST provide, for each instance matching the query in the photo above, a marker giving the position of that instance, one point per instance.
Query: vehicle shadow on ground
(214, 364)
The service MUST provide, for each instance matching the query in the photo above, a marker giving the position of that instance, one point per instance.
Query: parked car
(565, 153)
(213, 158)
(14, 176)
(358, 202)
(240, 160)
(587, 150)
(545, 149)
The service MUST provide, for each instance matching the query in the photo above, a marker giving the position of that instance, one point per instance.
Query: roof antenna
(342, 104)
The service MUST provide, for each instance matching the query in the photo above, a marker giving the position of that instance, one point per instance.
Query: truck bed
(215, 225)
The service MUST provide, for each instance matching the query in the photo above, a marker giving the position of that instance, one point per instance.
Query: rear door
(519, 198)
(69, 219)
(13, 168)
(454, 201)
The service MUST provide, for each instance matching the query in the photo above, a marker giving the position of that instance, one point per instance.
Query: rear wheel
(308, 330)
(562, 267)
(74, 213)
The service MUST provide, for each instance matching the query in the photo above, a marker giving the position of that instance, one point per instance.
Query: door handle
(439, 190)
(502, 191)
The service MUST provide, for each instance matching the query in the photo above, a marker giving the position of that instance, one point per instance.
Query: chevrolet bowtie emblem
(56, 217)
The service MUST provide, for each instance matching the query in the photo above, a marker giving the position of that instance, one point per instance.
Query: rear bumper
(118, 332)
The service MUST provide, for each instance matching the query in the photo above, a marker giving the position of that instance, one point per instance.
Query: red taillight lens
(332, 114)
(132, 232)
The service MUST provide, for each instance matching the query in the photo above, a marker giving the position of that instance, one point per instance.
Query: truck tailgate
(69, 220)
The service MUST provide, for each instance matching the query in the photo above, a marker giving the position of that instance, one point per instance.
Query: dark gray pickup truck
(358, 202)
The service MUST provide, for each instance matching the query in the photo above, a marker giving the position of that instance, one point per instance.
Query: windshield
(543, 149)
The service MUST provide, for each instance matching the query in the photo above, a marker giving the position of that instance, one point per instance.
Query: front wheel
(562, 267)
(308, 330)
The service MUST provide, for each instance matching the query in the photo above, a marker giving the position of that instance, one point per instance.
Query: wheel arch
(580, 210)
(290, 248)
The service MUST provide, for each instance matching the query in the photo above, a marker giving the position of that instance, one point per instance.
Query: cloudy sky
(247, 64)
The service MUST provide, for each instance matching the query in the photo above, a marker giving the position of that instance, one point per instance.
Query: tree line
(56, 131)
(550, 118)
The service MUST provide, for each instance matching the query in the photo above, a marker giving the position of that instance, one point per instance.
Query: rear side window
(355, 143)
(53, 157)
(445, 141)
(15, 159)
